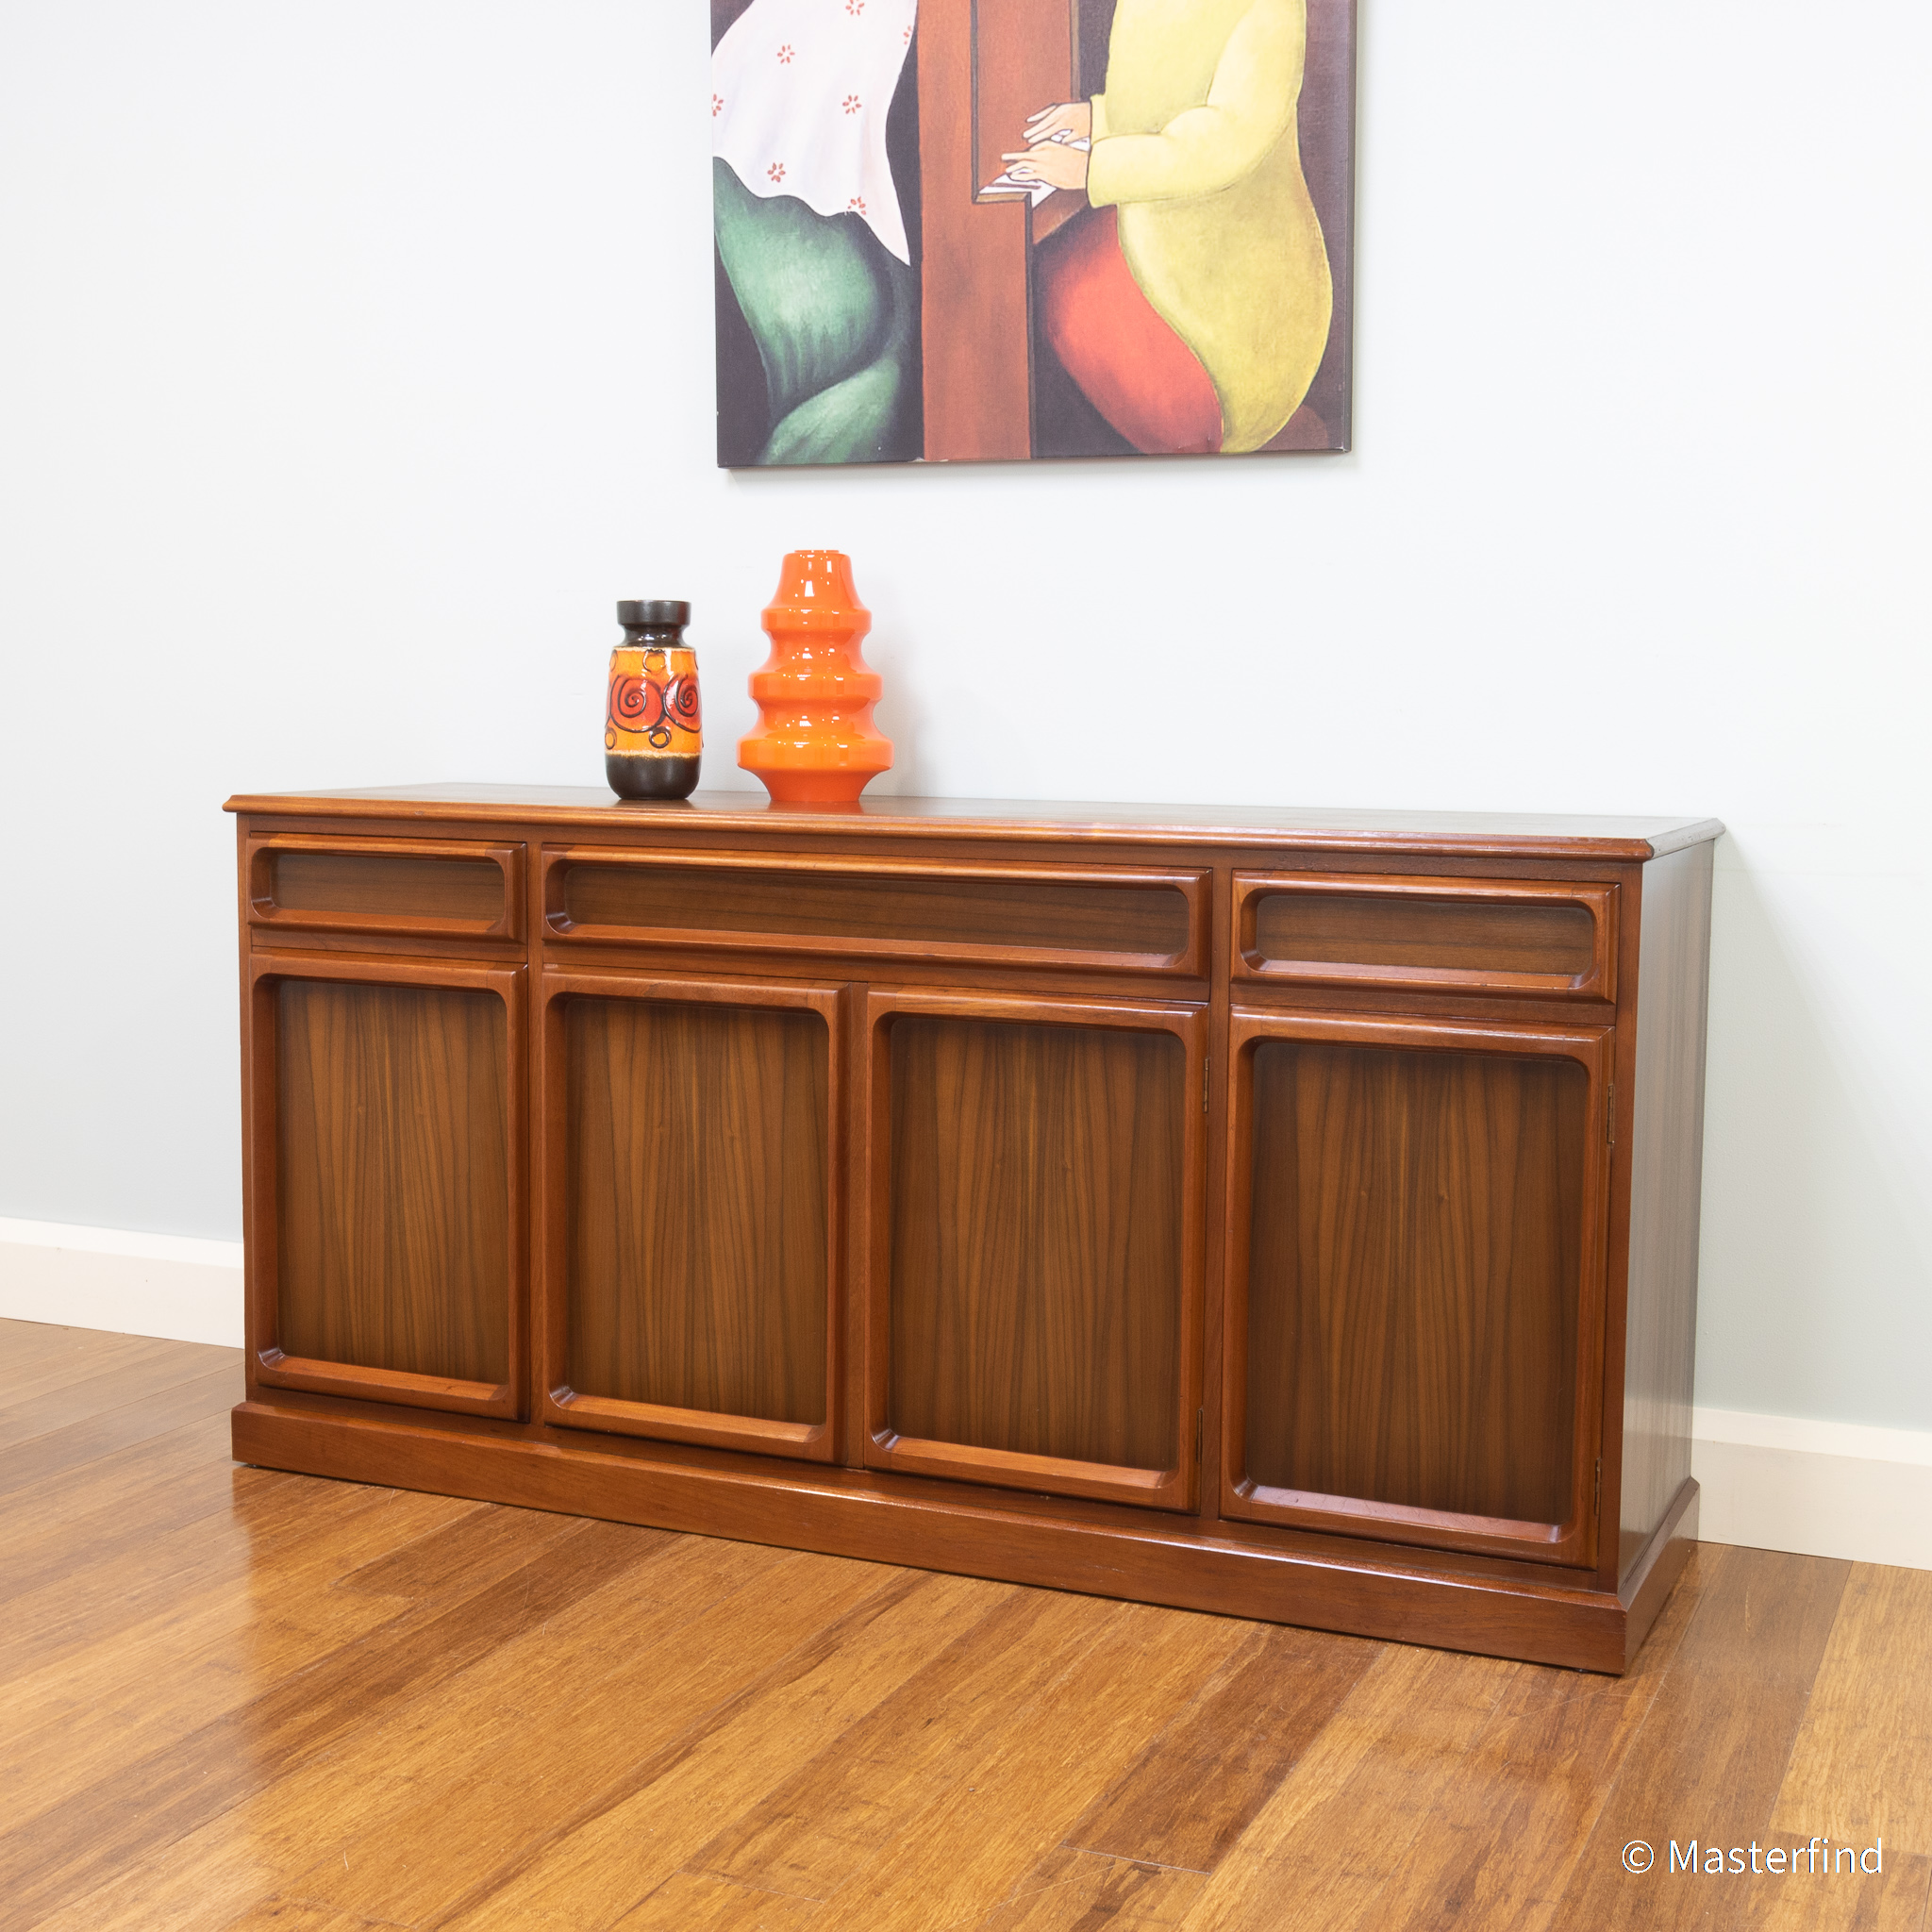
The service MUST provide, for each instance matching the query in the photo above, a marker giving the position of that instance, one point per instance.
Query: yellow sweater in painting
(1195, 143)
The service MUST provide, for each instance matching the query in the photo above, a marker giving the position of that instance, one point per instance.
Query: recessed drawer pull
(438, 889)
(1122, 921)
(1500, 936)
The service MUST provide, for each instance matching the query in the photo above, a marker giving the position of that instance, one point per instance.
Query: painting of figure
(960, 230)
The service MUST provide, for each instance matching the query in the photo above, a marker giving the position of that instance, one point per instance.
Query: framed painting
(987, 230)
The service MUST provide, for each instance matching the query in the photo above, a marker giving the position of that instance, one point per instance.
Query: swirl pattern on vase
(654, 704)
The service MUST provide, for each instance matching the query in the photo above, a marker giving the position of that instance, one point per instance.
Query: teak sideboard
(1286, 1214)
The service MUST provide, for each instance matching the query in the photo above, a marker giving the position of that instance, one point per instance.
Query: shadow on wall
(1815, 1296)
(902, 713)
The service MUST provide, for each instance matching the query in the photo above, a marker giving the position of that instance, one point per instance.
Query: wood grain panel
(1666, 1182)
(697, 1206)
(969, 913)
(1036, 1247)
(745, 816)
(391, 1155)
(366, 882)
(1415, 1253)
(1343, 928)
(439, 888)
(1507, 936)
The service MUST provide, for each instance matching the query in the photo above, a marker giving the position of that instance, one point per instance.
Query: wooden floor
(230, 1697)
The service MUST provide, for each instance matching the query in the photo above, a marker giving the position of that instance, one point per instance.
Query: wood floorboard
(81, 1526)
(1196, 1787)
(1071, 1891)
(180, 1672)
(149, 1369)
(236, 1698)
(26, 1344)
(1709, 1760)
(264, 1560)
(1858, 1769)
(1502, 1846)
(208, 1392)
(676, 1737)
(55, 1373)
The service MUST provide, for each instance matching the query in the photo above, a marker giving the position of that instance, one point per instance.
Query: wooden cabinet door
(1416, 1241)
(1033, 1297)
(386, 1161)
(689, 1230)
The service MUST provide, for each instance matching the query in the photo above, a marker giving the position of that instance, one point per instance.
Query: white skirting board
(1771, 1481)
(131, 1284)
(1781, 1482)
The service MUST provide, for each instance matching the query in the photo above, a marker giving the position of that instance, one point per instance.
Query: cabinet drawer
(1126, 920)
(442, 889)
(1501, 935)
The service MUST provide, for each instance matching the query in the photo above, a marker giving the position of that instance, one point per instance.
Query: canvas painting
(985, 230)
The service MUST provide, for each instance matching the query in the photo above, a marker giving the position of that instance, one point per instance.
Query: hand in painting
(1072, 119)
(1057, 163)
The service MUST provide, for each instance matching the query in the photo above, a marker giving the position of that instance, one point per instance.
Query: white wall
(354, 357)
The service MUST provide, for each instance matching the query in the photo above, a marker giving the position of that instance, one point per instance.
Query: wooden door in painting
(984, 68)
(1416, 1240)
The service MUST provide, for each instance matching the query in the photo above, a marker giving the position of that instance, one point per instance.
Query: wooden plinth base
(1491, 1606)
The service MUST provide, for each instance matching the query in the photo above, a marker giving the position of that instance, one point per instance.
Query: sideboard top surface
(1474, 834)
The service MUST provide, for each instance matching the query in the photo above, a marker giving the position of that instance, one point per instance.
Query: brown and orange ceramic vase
(815, 741)
(652, 725)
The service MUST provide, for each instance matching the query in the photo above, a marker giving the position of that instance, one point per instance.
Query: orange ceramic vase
(815, 742)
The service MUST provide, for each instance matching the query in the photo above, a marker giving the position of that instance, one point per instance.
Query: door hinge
(1596, 1500)
(1611, 1117)
(1204, 1086)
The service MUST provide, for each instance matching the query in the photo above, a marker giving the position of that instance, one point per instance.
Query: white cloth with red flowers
(800, 90)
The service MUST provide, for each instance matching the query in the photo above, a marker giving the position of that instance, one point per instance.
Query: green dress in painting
(835, 320)
(811, 232)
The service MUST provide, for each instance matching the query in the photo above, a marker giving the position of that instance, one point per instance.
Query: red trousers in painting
(1130, 364)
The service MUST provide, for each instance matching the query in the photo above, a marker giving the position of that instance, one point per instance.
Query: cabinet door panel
(387, 1226)
(1418, 1239)
(1034, 1309)
(690, 1211)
